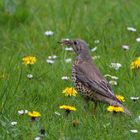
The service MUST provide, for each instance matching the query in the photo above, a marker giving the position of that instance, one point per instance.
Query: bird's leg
(86, 103)
(95, 106)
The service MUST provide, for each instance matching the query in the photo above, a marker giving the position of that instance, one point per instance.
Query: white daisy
(96, 57)
(30, 76)
(13, 123)
(131, 29)
(57, 113)
(134, 131)
(37, 138)
(49, 33)
(68, 49)
(20, 112)
(116, 66)
(138, 39)
(52, 57)
(125, 47)
(65, 78)
(97, 41)
(49, 61)
(134, 98)
(113, 83)
(68, 60)
(94, 49)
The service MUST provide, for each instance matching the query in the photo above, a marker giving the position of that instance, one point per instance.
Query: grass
(22, 33)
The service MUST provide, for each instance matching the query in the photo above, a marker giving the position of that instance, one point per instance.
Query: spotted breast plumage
(88, 80)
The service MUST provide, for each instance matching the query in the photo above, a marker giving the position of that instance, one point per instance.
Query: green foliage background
(22, 27)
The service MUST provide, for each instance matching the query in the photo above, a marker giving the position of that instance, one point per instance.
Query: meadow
(38, 87)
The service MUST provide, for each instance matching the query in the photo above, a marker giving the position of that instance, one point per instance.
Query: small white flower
(52, 57)
(137, 119)
(13, 123)
(30, 76)
(114, 77)
(131, 29)
(97, 41)
(57, 113)
(67, 39)
(20, 112)
(134, 98)
(96, 57)
(94, 49)
(116, 66)
(125, 47)
(68, 60)
(68, 49)
(25, 111)
(65, 78)
(37, 138)
(49, 61)
(138, 39)
(48, 33)
(113, 83)
(134, 131)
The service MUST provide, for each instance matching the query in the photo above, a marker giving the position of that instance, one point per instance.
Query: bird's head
(78, 45)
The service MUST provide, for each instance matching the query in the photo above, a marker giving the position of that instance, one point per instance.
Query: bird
(87, 78)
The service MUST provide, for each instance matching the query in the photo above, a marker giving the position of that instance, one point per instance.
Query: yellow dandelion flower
(115, 109)
(120, 98)
(67, 108)
(29, 60)
(34, 114)
(135, 64)
(69, 91)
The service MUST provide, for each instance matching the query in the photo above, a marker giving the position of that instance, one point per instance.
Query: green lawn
(22, 34)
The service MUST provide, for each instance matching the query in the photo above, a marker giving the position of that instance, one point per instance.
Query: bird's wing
(91, 77)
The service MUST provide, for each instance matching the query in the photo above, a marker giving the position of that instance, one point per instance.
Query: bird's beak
(66, 42)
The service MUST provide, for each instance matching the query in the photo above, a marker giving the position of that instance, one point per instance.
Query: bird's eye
(75, 42)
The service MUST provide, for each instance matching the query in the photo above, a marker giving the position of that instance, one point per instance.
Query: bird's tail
(126, 110)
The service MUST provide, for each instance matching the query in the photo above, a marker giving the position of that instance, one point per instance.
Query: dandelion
(116, 66)
(115, 109)
(131, 29)
(67, 108)
(135, 64)
(138, 39)
(29, 60)
(48, 33)
(69, 91)
(34, 115)
(120, 98)
(125, 47)
(134, 131)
